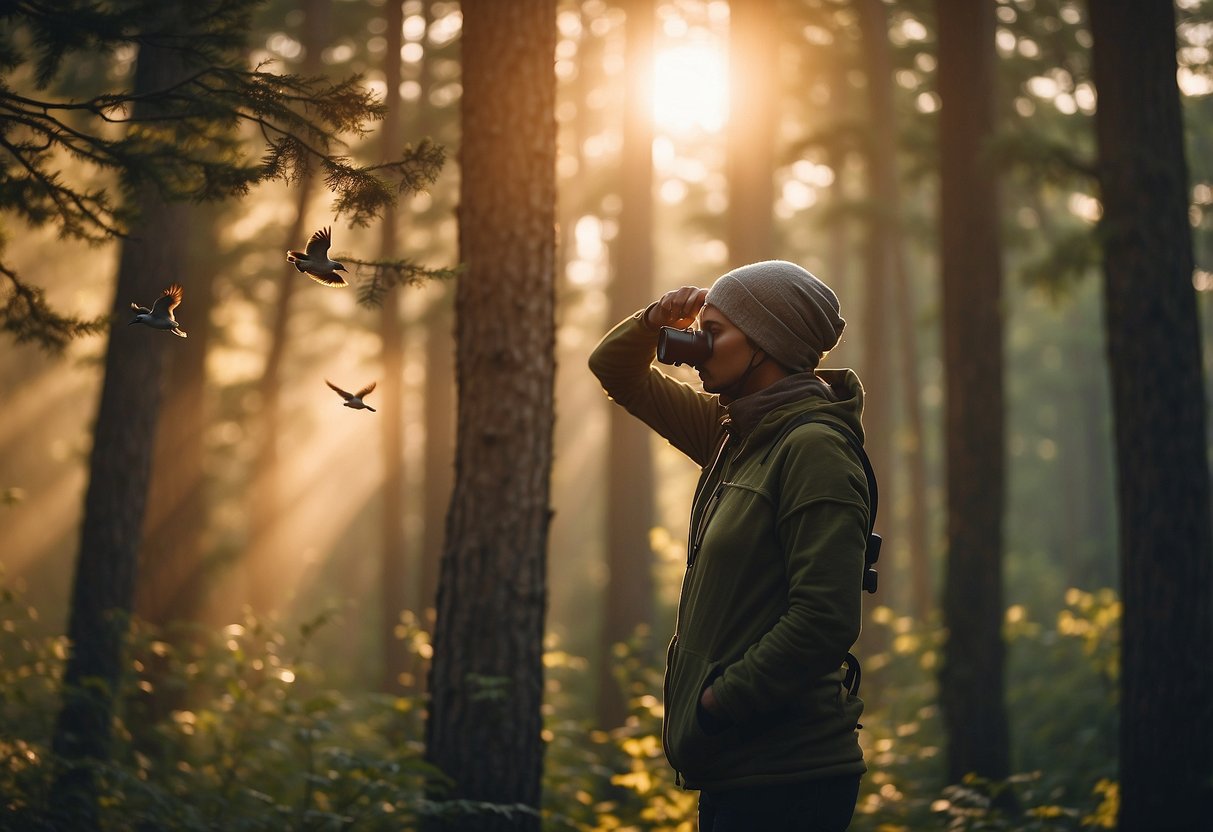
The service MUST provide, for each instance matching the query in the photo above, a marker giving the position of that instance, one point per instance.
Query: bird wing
(317, 247)
(343, 394)
(142, 310)
(327, 278)
(169, 300)
(366, 391)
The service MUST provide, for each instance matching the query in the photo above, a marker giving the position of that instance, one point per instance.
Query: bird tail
(179, 332)
(368, 407)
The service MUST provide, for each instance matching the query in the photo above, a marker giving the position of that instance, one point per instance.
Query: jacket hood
(837, 394)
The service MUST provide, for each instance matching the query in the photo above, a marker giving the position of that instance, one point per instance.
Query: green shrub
(232, 730)
(239, 729)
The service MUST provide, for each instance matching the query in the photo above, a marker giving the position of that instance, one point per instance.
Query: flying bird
(314, 260)
(354, 400)
(160, 316)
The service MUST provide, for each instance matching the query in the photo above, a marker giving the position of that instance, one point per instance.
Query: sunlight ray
(690, 88)
(32, 527)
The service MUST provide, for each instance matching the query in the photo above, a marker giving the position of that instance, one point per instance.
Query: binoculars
(683, 346)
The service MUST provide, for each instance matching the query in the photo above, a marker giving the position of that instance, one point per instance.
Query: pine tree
(972, 679)
(182, 139)
(1153, 338)
(484, 727)
(174, 134)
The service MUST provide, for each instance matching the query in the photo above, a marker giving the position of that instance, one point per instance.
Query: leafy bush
(238, 730)
(1062, 702)
(232, 730)
(619, 779)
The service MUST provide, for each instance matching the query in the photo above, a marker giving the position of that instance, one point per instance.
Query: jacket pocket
(709, 723)
(690, 745)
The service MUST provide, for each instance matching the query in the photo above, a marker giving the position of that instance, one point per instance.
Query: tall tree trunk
(486, 681)
(116, 498)
(972, 677)
(1153, 341)
(912, 446)
(261, 567)
(838, 246)
(879, 252)
(172, 580)
(629, 516)
(393, 576)
(1085, 453)
(753, 121)
(887, 248)
(439, 406)
(439, 453)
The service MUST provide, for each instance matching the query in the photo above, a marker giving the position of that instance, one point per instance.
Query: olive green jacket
(770, 602)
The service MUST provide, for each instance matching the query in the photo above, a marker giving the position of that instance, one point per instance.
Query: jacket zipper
(695, 538)
(665, 696)
(697, 529)
(708, 511)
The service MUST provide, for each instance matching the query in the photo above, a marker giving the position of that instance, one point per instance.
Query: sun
(690, 88)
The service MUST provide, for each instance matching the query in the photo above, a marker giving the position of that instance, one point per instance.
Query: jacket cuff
(644, 318)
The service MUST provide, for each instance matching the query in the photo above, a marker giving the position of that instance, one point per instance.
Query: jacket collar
(746, 413)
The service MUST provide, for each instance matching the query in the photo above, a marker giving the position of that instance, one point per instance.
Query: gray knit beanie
(790, 314)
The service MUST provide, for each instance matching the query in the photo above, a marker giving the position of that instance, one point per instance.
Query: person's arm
(623, 363)
(823, 526)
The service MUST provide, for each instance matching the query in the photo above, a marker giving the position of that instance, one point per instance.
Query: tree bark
(172, 576)
(1154, 356)
(972, 676)
(116, 498)
(486, 682)
(628, 602)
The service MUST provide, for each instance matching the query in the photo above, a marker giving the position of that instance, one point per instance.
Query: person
(757, 715)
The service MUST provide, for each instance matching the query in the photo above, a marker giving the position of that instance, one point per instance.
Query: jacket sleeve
(822, 524)
(687, 418)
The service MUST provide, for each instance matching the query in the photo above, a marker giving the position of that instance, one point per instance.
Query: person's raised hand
(677, 308)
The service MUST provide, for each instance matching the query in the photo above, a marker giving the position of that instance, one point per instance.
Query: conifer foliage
(101, 152)
(69, 135)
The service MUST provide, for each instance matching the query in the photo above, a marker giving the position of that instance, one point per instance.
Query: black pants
(824, 805)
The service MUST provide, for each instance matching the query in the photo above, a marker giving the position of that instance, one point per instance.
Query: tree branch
(27, 316)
